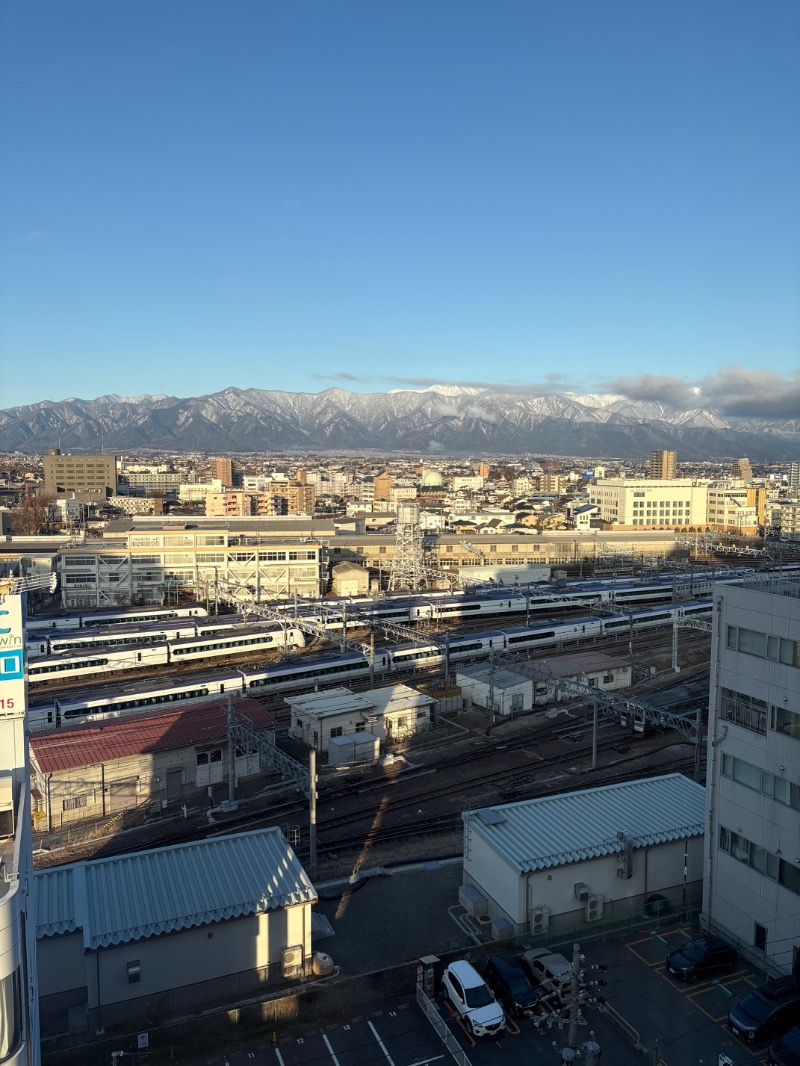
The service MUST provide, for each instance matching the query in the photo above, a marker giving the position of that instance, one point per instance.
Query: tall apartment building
(663, 465)
(19, 1002)
(223, 469)
(89, 477)
(623, 503)
(751, 887)
(741, 468)
(794, 477)
(300, 498)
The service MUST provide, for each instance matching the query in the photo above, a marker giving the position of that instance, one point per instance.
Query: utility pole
(312, 815)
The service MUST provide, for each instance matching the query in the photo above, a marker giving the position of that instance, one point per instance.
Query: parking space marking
(389, 1058)
(329, 1046)
(278, 1056)
(424, 1062)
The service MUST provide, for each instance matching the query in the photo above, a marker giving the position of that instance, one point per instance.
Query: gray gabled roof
(552, 831)
(131, 897)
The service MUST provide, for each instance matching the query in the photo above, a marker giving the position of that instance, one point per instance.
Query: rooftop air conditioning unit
(581, 892)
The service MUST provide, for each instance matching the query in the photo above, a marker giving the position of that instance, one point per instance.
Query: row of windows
(759, 859)
(764, 645)
(762, 781)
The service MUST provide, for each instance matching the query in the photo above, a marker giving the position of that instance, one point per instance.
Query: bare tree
(35, 515)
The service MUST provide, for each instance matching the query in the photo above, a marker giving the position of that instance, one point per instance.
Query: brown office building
(87, 477)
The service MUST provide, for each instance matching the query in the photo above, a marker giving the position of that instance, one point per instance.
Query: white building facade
(649, 503)
(549, 864)
(751, 886)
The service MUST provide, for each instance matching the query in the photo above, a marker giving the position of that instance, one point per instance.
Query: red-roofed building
(164, 757)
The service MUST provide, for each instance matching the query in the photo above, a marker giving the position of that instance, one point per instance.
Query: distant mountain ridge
(441, 420)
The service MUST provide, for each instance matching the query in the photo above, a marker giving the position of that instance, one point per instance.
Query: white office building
(751, 890)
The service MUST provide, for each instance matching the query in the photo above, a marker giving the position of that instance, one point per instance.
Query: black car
(767, 1012)
(701, 958)
(511, 986)
(785, 1051)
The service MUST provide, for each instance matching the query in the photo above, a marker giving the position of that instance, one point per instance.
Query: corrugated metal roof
(137, 734)
(131, 897)
(555, 830)
(55, 901)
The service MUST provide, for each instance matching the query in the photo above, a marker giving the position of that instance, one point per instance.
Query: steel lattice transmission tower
(408, 570)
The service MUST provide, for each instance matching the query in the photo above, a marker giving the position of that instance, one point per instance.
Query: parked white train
(111, 617)
(95, 662)
(121, 636)
(47, 713)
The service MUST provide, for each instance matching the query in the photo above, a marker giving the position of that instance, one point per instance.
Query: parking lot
(649, 1017)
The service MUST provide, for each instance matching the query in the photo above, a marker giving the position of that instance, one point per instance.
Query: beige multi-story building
(300, 498)
(550, 483)
(736, 507)
(244, 504)
(382, 486)
(676, 503)
(88, 477)
(663, 465)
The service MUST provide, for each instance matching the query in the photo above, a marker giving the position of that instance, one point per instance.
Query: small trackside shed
(173, 929)
(554, 863)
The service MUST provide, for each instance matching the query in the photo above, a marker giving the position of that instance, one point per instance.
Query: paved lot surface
(650, 1018)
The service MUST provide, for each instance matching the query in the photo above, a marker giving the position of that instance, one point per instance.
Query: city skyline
(298, 196)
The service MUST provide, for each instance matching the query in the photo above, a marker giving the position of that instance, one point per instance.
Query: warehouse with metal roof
(601, 855)
(190, 925)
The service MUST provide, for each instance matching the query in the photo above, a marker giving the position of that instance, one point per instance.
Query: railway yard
(409, 807)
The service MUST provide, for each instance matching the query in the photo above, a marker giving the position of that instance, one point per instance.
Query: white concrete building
(752, 875)
(550, 864)
(649, 503)
(502, 692)
(392, 713)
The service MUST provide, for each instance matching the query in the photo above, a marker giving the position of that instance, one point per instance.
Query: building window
(760, 937)
(743, 710)
(336, 731)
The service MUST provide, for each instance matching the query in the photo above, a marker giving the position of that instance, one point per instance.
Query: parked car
(510, 984)
(472, 999)
(785, 1051)
(550, 970)
(702, 957)
(766, 1012)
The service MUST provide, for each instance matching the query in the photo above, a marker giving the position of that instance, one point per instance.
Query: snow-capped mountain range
(443, 420)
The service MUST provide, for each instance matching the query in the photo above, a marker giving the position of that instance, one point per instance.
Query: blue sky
(563, 196)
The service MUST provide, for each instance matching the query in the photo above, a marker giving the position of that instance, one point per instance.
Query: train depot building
(323, 720)
(174, 929)
(559, 864)
(158, 759)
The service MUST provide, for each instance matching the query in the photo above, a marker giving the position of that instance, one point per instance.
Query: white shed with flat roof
(336, 712)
